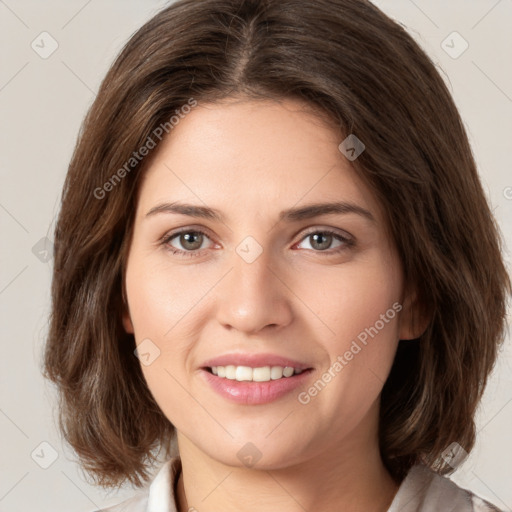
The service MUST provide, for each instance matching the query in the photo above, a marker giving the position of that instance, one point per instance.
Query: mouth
(247, 380)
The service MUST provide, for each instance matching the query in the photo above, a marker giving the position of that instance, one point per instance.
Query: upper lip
(254, 361)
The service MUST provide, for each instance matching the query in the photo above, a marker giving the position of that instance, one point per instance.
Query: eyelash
(347, 242)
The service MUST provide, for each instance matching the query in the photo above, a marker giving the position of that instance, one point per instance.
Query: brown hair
(355, 65)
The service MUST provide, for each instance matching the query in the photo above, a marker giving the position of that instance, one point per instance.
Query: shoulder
(159, 495)
(423, 490)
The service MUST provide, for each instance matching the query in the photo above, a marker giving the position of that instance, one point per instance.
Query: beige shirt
(422, 490)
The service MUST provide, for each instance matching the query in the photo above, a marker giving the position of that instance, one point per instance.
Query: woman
(275, 264)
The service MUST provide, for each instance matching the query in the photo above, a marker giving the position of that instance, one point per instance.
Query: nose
(253, 296)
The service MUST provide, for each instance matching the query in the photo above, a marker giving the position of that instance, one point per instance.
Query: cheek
(362, 309)
(352, 297)
(161, 298)
(156, 313)
(161, 308)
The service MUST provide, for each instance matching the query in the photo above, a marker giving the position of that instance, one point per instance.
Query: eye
(190, 240)
(321, 240)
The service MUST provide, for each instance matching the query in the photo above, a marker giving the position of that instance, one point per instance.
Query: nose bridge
(252, 295)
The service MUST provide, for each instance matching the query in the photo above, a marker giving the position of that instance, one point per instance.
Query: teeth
(288, 372)
(231, 372)
(246, 373)
(242, 373)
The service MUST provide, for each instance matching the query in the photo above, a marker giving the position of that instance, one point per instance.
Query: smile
(249, 391)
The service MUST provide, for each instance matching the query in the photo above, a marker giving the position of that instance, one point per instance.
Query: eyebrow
(290, 215)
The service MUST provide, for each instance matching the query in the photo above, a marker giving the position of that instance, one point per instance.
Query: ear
(414, 319)
(127, 321)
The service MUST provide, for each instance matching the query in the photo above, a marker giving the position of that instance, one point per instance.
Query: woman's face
(251, 275)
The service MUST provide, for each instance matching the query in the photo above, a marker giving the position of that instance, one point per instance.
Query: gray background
(42, 103)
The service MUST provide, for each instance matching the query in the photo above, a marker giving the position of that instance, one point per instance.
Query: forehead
(255, 156)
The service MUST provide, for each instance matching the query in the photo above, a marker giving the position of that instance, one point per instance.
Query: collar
(161, 496)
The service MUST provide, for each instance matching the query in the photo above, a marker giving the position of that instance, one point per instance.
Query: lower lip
(255, 393)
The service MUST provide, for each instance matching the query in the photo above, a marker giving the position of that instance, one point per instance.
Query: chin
(258, 453)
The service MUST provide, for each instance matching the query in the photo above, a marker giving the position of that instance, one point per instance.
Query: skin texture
(251, 160)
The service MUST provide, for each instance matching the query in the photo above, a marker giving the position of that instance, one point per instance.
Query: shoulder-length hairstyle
(362, 71)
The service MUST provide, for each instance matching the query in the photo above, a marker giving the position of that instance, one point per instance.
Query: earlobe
(413, 319)
(126, 319)
(127, 323)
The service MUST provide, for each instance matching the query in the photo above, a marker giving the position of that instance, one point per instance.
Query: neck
(349, 476)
